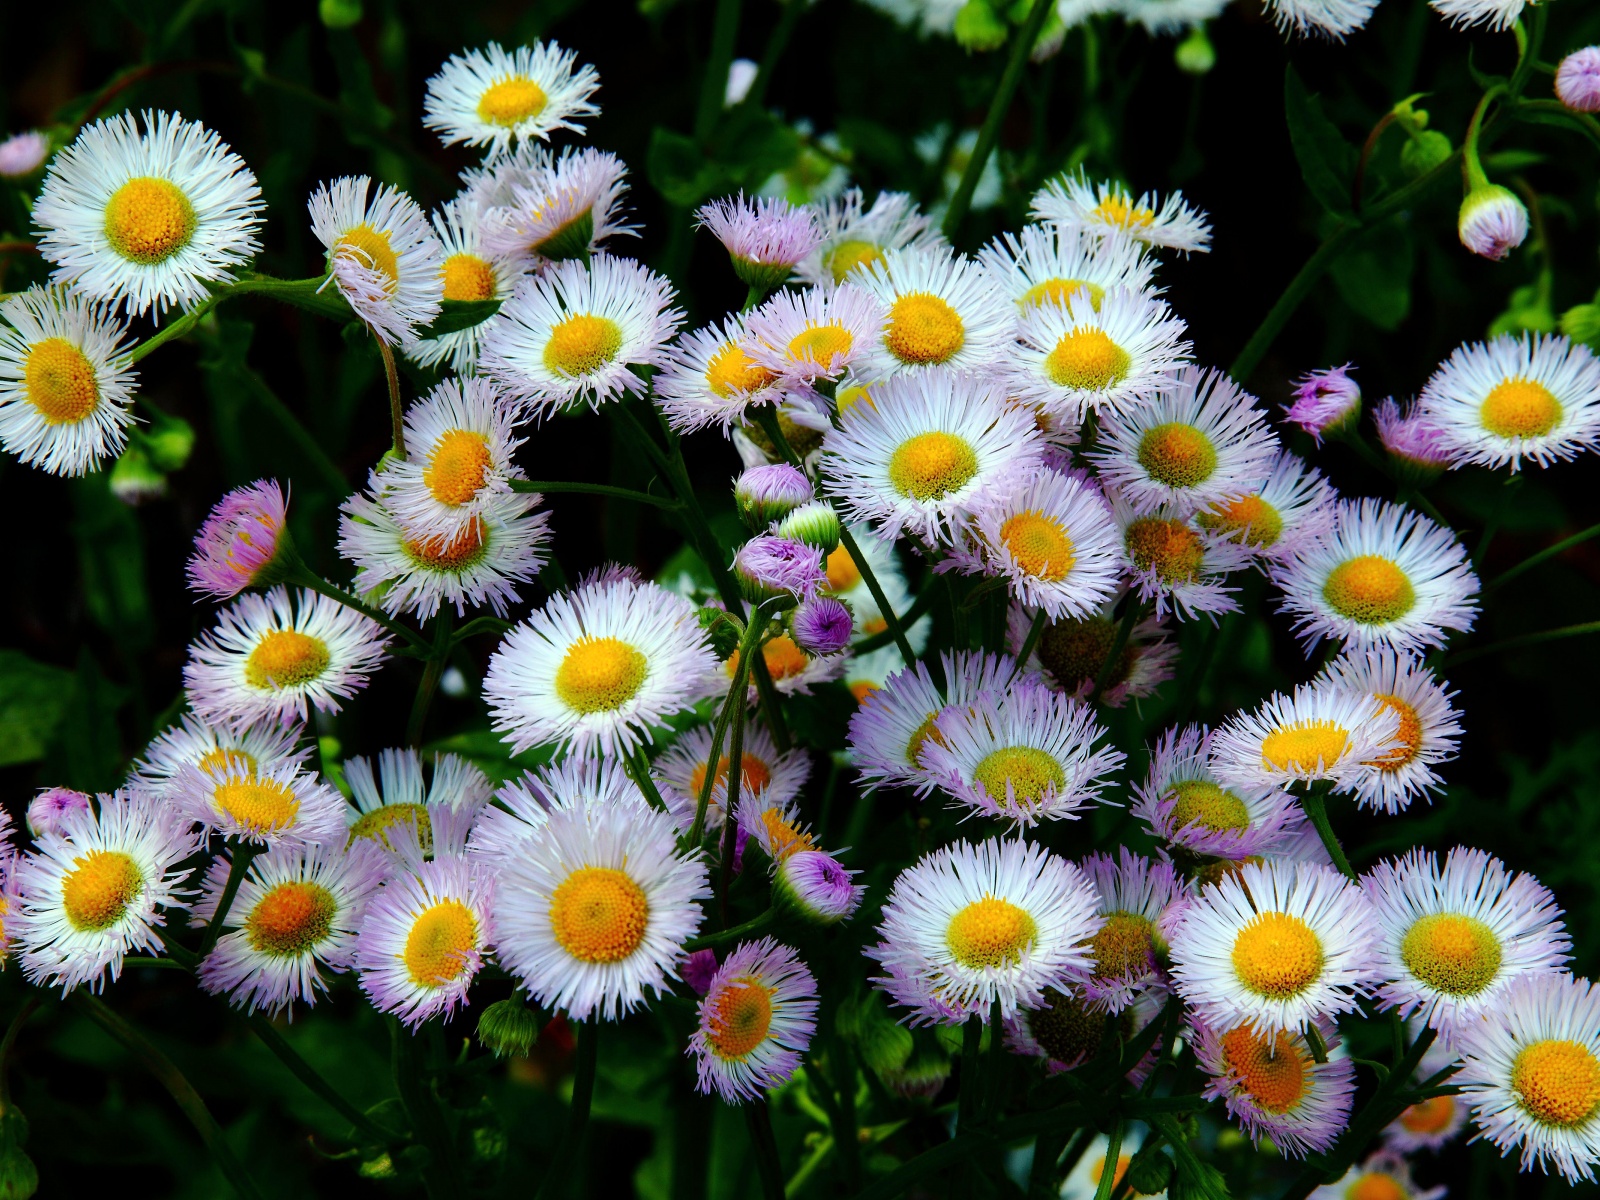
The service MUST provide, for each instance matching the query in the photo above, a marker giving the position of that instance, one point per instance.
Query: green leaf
(1374, 276)
(111, 562)
(33, 699)
(679, 169)
(456, 315)
(86, 749)
(1326, 160)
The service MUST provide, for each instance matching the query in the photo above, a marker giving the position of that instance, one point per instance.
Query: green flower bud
(134, 478)
(509, 1027)
(169, 442)
(340, 14)
(1581, 323)
(1195, 55)
(1424, 151)
(979, 27)
(815, 524)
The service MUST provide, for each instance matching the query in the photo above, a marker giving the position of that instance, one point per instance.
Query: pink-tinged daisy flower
(774, 825)
(275, 657)
(93, 892)
(473, 272)
(1321, 731)
(242, 542)
(769, 567)
(597, 667)
(1384, 1175)
(557, 209)
(1577, 85)
(1416, 446)
(816, 887)
(398, 795)
(296, 914)
(51, 810)
(1073, 202)
(969, 925)
(22, 154)
(1066, 1031)
(681, 772)
(193, 743)
(1024, 755)
(570, 336)
(1187, 805)
(941, 310)
(1326, 402)
(814, 334)
(424, 937)
(769, 493)
(1177, 566)
(1273, 1086)
(276, 804)
(520, 807)
(756, 1021)
(1273, 946)
(1382, 575)
(1071, 652)
(1044, 264)
(1139, 898)
(1452, 939)
(1293, 504)
(498, 98)
(1530, 1072)
(709, 377)
(764, 237)
(1429, 725)
(854, 236)
(382, 255)
(594, 909)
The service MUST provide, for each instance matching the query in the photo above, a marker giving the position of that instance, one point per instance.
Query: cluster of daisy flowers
(1028, 423)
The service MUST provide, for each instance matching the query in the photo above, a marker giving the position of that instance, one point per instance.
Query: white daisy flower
(281, 803)
(854, 236)
(195, 743)
(1273, 946)
(147, 219)
(1322, 731)
(804, 336)
(398, 795)
(1071, 651)
(1199, 443)
(710, 377)
(595, 907)
(1139, 897)
(521, 806)
(1335, 18)
(1025, 755)
(1054, 541)
(681, 772)
(424, 937)
(556, 208)
(1293, 504)
(1073, 202)
(1383, 1174)
(972, 924)
(756, 1021)
(1078, 356)
(1383, 574)
(569, 336)
(929, 451)
(1045, 264)
(1429, 725)
(296, 913)
(1499, 402)
(1176, 565)
(596, 667)
(272, 657)
(472, 272)
(1492, 14)
(1188, 806)
(90, 894)
(1530, 1071)
(497, 98)
(942, 311)
(382, 255)
(66, 388)
(1452, 939)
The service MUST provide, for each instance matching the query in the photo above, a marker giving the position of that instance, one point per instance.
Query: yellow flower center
(148, 220)
(1168, 547)
(1074, 650)
(457, 466)
(454, 553)
(848, 397)
(286, 658)
(1369, 589)
(924, 329)
(1432, 1115)
(754, 775)
(847, 256)
(1520, 408)
(784, 659)
(1452, 953)
(600, 674)
(60, 381)
(1117, 209)
(582, 344)
(1277, 955)
(224, 759)
(375, 825)
(1409, 736)
(1305, 746)
(291, 919)
(99, 888)
(1060, 291)
(861, 689)
(842, 572)
(1273, 1073)
(820, 344)
(1557, 1083)
(1250, 518)
(441, 943)
(1376, 1185)
(370, 247)
(1123, 947)
(1177, 454)
(511, 101)
(990, 933)
(783, 839)
(740, 1018)
(1031, 773)
(599, 915)
(259, 805)
(1065, 1027)
(1201, 802)
(1039, 544)
(1087, 360)
(731, 370)
(468, 277)
(925, 732)
(929, 466)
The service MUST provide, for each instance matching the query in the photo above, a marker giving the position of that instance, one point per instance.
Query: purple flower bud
(1492, 222)
(1413, 442)
(767, 494)
(1325, 402)
(764, 237)
(822, 625)
(816, 887)
(771, 567)
(242, 541)
(1578, 80)
(51, 809)
(699, 969)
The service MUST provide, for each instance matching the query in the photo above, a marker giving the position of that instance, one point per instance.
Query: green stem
(1021, 45)
(1108, 1171)
(594, 489)
(313, 1079)
(1131, 609)
(749, 645)
(243, 854)
(971, 1082)
(1544, 555)
(422, 1110)
(258, 285)
(178, 1087)
(432, 670)
(397, 408)
(714, 87)
(1315, 804)
(1031, 642)
(754, 925)
(578, 1110)
(29, 1006)
(1526, 639)
(908, 620)
(730, 806)
(637, 764)
(1471, 165)
(896, 629)
(304, 576)
(759, 1122)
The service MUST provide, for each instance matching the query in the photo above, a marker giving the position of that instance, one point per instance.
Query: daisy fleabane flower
(1065, 1030)
(1383, 1174)
(942, 310)
(1334, 18)
(1530, 1073)
(22, 154)
(196, 743)
(1293, 503)
(274, 804)
(855, 236)
(1492, 14)
(804, 336)
(472, 272)
(49, 812)
(1453, 938)
(1321, 731)
(1382, 574)
(92, 892)
(521, 806)
(1071, 651)
(757, 1019)
(275, 656)
(66, 387)
(244, 539)
(682, 770)
(1073, 202)
(764, 237)
(147, 218)
(555, 208)
(497, 98)
(709, 377)
(398, 795)
(1273, 946)
(1138, 898)
(1187, 806)
(424, 937)
(1325, 402)
(1416, 446)
(1045, 264)
(383, 256)
(1177, 565)
(1577, 82)
(569, 336)
(594, 908)
(295, 915)
(1498, 403)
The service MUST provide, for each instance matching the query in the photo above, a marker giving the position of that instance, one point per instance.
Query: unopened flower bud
(1149, 1172)
(1195, 55)
(169, 442)
(1326, 403)
(816, 888)
(699, 969)
(1413, 443)
(767, 494)
(22, 154)
(821, 626)
(1493, 222)
(772, 568)
(979, 27)
(134, 478)
(1423, 151)
(244, 542)
(1578, 80)
(509, 1027)
(1581, 323)
(50, 810)
(764, 238)
(815, 524)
